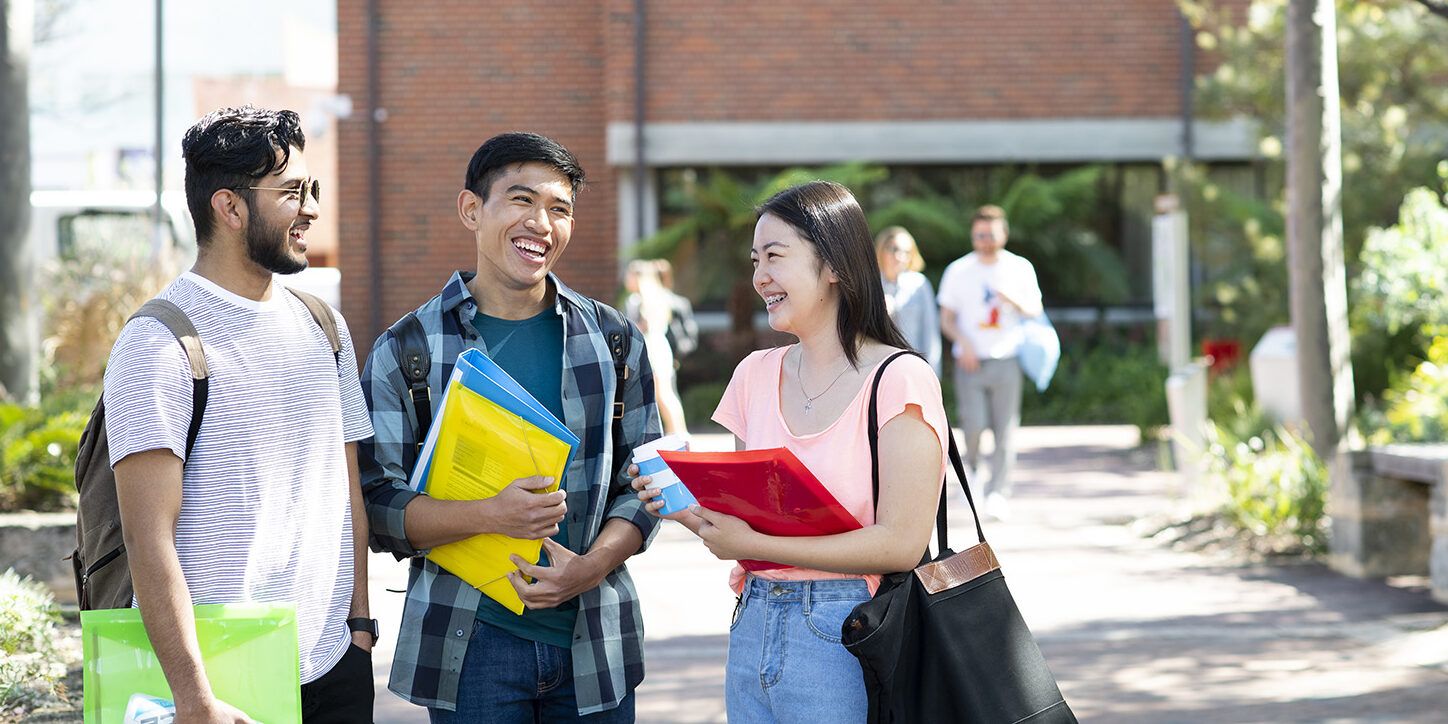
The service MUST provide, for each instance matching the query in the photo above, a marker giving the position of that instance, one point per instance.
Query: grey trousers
(990, 398)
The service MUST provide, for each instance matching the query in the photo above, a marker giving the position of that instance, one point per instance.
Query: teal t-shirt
(531, 350)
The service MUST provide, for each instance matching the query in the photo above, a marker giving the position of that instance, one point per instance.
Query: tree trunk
(1314, 222)
(19, 329)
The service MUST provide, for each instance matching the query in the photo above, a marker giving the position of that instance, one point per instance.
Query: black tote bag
(945, 641)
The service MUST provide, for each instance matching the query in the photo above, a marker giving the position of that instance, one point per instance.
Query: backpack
(683, 332)
(414, 356)
(102, 573)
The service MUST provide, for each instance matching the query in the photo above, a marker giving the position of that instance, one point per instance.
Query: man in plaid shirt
(577, 652)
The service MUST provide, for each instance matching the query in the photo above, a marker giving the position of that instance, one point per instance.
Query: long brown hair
(827, 215)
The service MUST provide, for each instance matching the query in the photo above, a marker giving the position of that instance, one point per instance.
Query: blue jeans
(786, 662)
(510, 680)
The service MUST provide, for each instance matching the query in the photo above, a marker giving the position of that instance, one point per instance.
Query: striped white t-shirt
(264, 498)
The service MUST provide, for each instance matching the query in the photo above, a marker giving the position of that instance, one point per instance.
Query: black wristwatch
(364, 624)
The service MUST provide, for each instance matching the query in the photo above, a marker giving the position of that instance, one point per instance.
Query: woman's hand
(728, 538)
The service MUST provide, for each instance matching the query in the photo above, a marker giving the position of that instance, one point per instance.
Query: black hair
(506, 150)
(230, 148)
(827, 215)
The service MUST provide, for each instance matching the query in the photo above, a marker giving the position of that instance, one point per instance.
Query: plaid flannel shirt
(437, 618)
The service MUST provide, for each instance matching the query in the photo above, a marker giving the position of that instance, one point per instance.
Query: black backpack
(683, 332)
(102, 573)
(414, 356)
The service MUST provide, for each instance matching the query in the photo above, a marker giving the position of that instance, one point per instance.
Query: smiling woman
(815, 267)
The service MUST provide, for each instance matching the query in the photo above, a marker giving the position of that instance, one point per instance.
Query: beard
(269, 247)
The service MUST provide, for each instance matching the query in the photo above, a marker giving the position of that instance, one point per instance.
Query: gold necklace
(798, 377)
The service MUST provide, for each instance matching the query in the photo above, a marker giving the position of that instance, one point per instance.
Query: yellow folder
(481, 448)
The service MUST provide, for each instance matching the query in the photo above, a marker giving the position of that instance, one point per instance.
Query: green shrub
(1120, 384)
(37, 451)
(31, 665)
(1397, 298)
(1276, 488)
(699, 403)
(1415, 408)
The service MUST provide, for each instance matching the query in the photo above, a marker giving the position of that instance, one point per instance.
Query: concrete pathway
(1135, 632)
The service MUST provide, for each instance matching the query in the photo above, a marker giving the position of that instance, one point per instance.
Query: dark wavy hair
(506, 150)
(230, 148)
(827, 215)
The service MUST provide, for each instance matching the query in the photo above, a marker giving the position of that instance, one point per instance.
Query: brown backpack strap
(169, 314)
(321, 312)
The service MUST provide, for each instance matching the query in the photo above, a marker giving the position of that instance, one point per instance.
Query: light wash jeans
(786, 662)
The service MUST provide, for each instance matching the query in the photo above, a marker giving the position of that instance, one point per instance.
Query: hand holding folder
(489, 432)
(771, 490)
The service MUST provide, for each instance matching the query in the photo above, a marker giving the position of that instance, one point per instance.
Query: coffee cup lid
(652, 448)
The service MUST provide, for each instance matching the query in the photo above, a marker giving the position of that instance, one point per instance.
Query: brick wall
(926, 60)
(452, 75)
(455, 72)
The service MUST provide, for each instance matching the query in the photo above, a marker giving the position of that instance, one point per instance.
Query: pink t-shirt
(839, 455)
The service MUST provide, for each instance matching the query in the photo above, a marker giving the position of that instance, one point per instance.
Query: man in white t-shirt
(266, 505)
(984, 298)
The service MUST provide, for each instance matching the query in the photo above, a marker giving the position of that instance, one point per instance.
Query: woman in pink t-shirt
(815, 268)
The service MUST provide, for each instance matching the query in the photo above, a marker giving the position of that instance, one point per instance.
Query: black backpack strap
(414, 358)
(322, 312)
(618, 333)
(169, 314)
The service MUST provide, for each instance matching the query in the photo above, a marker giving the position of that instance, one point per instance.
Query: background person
(652, 306)
(908, 294)
(984, 298)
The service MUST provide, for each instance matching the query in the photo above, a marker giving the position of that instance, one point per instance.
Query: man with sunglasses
(262, 501)
(985, 297)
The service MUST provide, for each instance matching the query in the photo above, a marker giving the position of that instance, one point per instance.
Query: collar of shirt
(458, 299)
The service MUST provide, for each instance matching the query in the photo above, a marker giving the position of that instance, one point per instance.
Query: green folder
(249, 651)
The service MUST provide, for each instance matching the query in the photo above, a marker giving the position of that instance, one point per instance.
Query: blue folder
(482, 375)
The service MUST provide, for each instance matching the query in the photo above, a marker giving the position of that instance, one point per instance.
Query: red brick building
(745, 83)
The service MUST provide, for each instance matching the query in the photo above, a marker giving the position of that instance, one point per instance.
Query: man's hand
(728, 538)
(568, 575)
(966, 359)
(519, 512)
(211, 711)
(1031, 309)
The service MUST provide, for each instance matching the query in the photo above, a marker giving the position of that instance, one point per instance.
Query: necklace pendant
(808, 406)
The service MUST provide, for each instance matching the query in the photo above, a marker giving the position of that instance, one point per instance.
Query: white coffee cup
(676, 496)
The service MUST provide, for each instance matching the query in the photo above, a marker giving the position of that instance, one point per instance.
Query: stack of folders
(489, 432)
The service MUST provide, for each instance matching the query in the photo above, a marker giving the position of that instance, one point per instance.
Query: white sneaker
(998, 506)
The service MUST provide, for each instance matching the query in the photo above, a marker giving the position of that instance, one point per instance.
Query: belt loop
(807, 597)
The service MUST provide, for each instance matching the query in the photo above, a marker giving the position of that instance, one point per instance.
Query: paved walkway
(1134, 632)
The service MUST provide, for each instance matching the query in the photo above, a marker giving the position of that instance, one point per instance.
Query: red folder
(771, 490)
